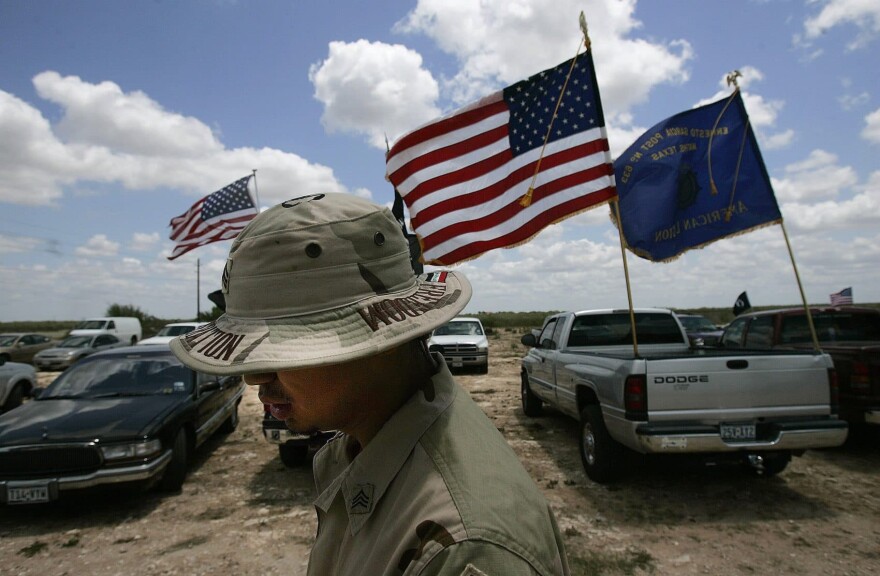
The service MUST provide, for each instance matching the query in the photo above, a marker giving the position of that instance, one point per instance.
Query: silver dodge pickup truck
(758, 406)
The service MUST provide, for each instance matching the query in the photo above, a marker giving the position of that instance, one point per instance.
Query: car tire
(484, 369)
(231, 423)
(603, 457)
(293, 455)
(531, 404)
(14, 400)
(175, 472)
(5, 358)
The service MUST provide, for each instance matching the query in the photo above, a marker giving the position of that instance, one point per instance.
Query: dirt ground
(242, 512)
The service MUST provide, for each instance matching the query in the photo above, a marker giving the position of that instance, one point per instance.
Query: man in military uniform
(325, 314)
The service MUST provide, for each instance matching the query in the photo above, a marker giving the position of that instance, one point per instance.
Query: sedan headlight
(132, 450)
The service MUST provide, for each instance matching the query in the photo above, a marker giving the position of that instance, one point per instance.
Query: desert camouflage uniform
(437, 491)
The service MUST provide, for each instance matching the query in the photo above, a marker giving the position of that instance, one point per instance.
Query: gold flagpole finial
(732, 79)
(583, 21)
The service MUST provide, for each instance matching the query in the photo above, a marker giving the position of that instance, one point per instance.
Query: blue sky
(117, 116)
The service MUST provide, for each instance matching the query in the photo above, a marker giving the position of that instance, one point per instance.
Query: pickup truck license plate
(27, 494)
(457, 364)
(738, 432)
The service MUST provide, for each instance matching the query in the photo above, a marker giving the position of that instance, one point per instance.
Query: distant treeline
(719, 316)
(490, 320)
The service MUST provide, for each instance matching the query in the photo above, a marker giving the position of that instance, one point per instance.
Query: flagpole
(256, 191)
(526, 199)
(632, 314)
(801, 288)
(198, 289)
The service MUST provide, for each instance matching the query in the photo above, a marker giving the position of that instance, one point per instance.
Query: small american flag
(465, 177)
(842, 298)
(217, 216)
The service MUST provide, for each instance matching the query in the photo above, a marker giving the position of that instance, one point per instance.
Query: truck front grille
(455, 349)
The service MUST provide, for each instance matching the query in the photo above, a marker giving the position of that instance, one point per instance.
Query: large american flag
(465, 177)
(218, 216)
(842, 298)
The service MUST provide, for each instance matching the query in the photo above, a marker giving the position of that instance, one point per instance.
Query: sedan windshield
(697, 323)
(76, 342)
(91, 325)
(6, 341)
(121, 376)
(174, 330)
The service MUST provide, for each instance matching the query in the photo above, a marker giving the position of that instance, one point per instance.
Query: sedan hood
(77, 420)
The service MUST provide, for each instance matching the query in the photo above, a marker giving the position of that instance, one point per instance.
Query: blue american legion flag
(842, 298)
(692, 179)
(218, 216)
(465, 177)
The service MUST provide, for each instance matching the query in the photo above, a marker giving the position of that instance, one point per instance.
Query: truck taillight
(833, 391)
(635, 397)
(860, 380)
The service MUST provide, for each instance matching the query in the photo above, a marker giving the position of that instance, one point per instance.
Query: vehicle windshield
(122, 376)
(76, 342)
(7, 340)
(91, 325)
(174, 330)
(832, 327)
(459, 329)
(697, 323)
(616, 329)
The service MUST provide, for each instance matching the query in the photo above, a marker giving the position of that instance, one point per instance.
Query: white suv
(463, 344)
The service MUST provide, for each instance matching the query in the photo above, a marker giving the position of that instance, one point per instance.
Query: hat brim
(234, 345)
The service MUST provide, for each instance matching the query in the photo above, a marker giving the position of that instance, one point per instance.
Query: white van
(126, 328)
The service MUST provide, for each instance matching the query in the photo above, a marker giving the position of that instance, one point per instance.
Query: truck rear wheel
(603, 458)
(531, 404)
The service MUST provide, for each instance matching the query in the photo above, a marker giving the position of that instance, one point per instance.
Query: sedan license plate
(27, 494)
(738, 432)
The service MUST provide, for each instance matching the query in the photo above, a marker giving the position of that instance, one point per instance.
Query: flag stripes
(218, 216)
(463, 176)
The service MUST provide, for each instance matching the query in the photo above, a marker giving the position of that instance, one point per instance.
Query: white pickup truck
(758, 406)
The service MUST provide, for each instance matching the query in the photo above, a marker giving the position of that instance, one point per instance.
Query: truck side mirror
(529, 340)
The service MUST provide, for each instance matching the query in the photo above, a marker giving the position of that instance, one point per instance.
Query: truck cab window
(545, 340)
(760, 333)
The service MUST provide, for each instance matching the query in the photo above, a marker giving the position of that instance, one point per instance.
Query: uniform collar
(364, 481)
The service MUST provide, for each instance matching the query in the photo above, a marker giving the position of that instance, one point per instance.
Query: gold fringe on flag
(526, 199)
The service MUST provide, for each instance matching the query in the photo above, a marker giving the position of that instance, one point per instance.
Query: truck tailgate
(727, 387)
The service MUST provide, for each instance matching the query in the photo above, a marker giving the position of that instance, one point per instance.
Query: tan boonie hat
(319, 280)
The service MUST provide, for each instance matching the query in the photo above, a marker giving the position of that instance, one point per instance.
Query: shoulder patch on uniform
(471, 570)
(427, 532)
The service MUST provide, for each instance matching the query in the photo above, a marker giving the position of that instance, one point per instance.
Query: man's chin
(299, 428)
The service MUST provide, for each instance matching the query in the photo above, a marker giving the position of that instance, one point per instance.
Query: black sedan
(132, 414)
